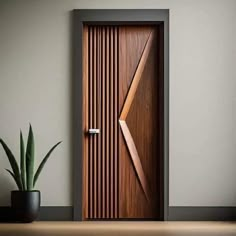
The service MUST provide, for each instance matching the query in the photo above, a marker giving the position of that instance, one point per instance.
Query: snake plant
(24, 176)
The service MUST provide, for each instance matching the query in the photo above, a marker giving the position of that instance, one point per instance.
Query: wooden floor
(119, 228)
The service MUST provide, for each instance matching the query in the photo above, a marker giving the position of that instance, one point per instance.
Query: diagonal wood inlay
(125, 110)
(135, 157)
(136, 78)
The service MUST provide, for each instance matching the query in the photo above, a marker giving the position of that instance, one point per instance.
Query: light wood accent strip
(136, 79)
(135, 158)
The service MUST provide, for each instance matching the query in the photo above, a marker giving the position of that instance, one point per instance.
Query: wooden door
(123, 101)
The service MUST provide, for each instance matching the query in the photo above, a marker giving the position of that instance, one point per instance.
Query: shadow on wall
(6, 186)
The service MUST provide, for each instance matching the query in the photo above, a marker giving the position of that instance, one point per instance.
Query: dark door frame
(112, 17)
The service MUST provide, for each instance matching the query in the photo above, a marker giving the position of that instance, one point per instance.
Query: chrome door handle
(93, 131)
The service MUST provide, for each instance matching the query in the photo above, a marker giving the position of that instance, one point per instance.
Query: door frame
(111, 17)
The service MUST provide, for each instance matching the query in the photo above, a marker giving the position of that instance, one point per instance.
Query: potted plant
(26, 200)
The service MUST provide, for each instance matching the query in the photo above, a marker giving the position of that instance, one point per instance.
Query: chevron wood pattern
(125, 130)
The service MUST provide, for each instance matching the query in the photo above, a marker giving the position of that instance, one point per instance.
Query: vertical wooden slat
(90, 174)
(115, 125)
(103, 125)
(105, 121)
(95, 121)
(98, 122)
(118, 134)
(111, 120)
(107, 125)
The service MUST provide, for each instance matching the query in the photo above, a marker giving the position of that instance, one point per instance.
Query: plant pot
(25, 205)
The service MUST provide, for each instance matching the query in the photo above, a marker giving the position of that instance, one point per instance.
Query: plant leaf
(13, 163)
(43, 163)
(16, 180)
(30, 160)
(22, 161)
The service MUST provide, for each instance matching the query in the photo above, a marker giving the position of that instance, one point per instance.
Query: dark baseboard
(50, 213)
(57, 213)
(202, 214)
(64, 213)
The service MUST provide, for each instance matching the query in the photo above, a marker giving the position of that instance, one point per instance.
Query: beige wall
(35, 80)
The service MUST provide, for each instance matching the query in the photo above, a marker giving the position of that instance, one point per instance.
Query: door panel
(132, 71)
(123, 99)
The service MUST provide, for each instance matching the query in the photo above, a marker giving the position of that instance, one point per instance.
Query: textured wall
(35, 86)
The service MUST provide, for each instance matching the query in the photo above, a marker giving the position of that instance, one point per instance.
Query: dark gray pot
(25, 205)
